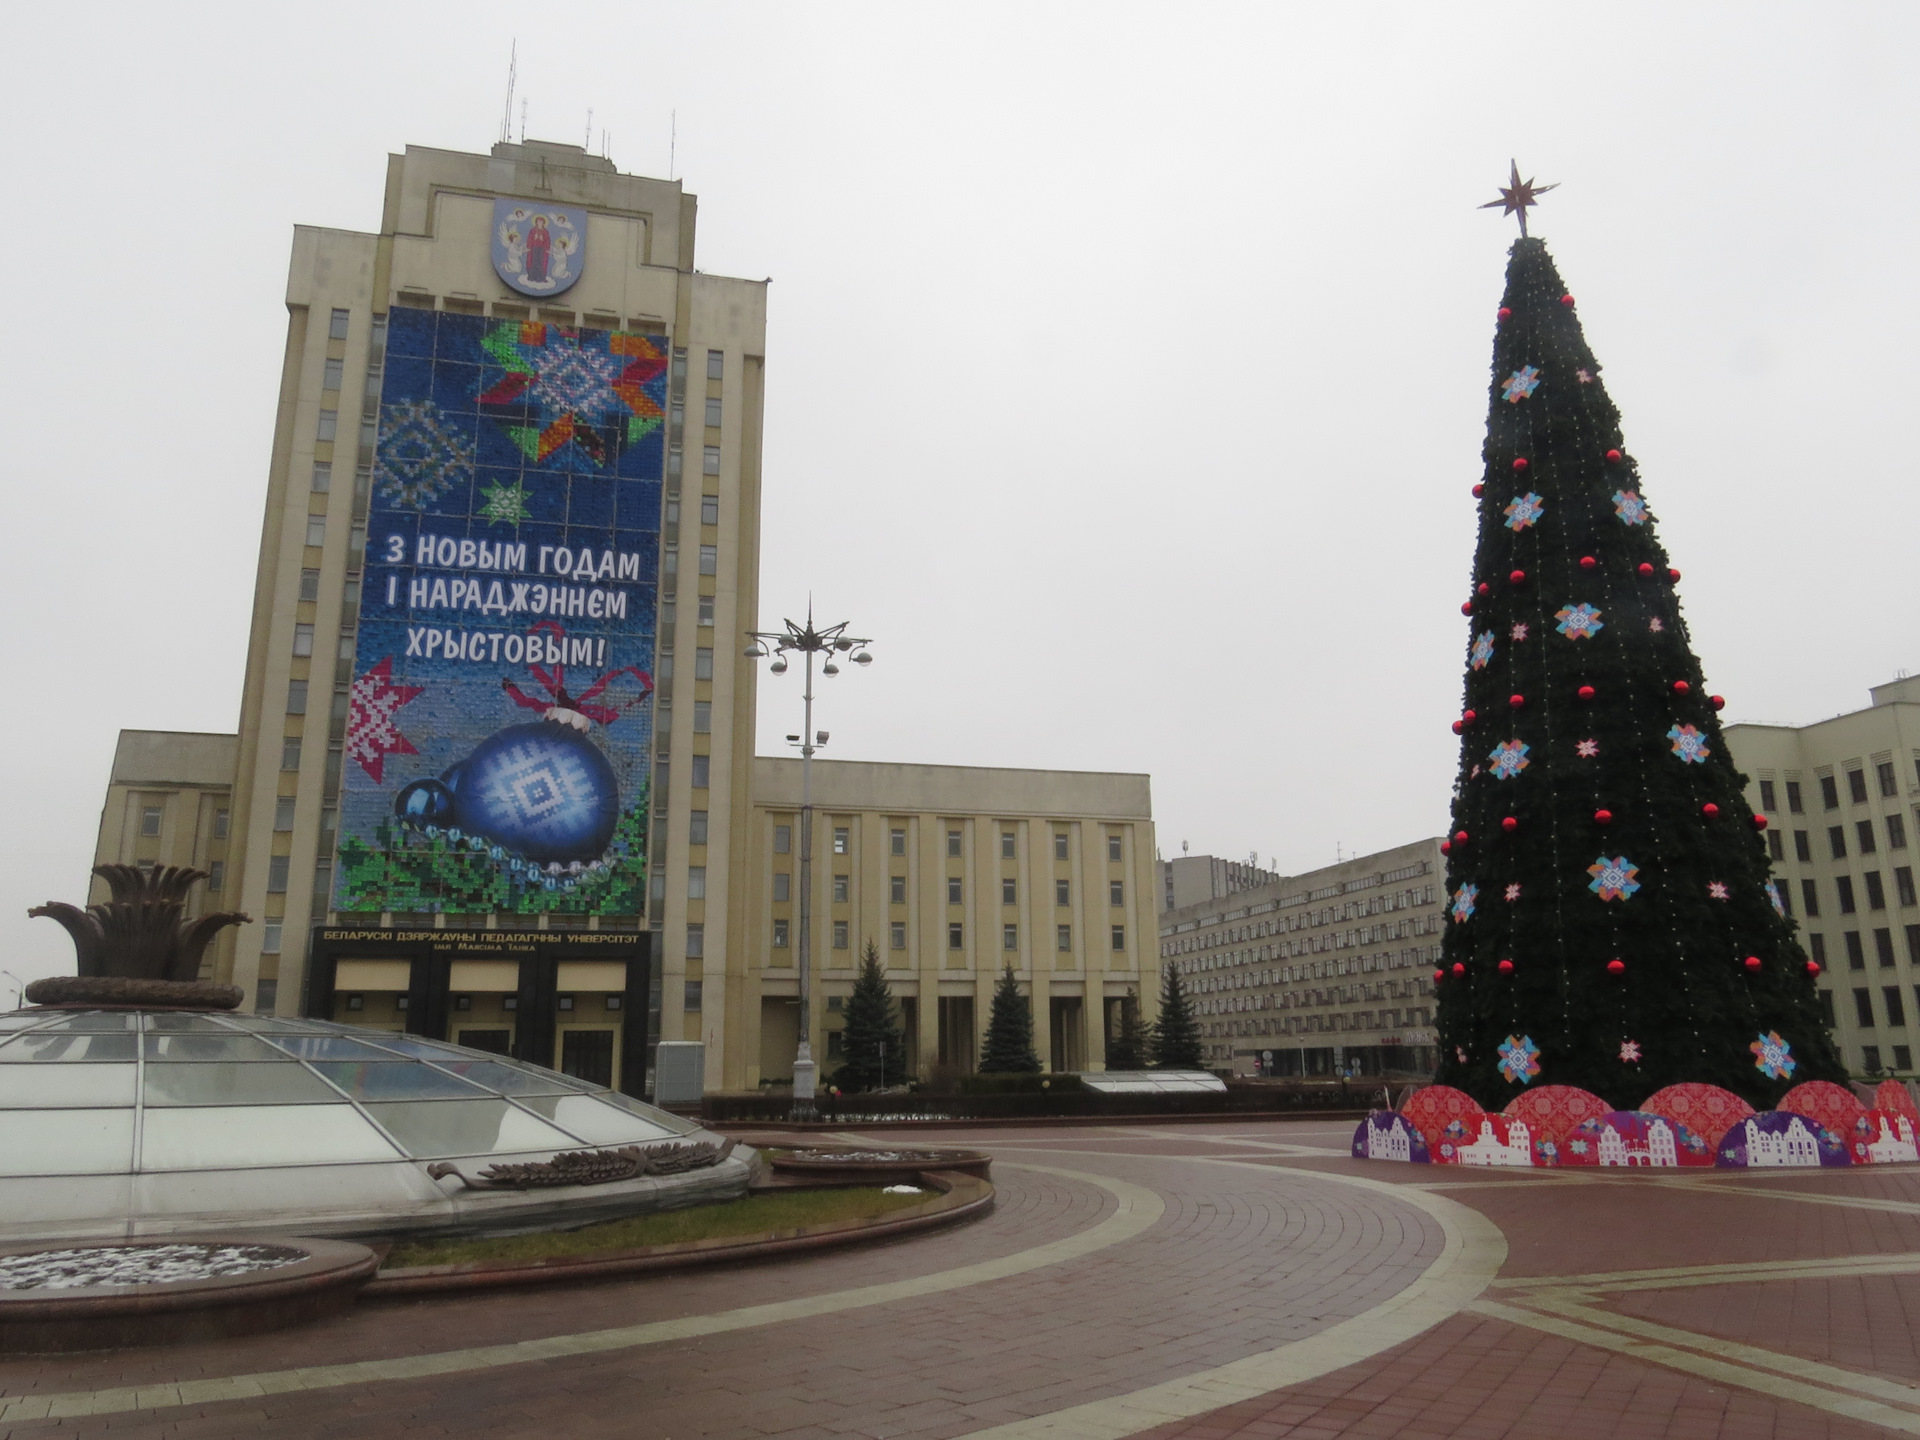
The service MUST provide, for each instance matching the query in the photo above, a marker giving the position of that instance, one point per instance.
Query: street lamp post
(808, 641)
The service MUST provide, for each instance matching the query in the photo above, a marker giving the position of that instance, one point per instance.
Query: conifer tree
(872, 1022)
(1176, 1038)
(1131, 1047)
(1613, 922)
(1009, 1044)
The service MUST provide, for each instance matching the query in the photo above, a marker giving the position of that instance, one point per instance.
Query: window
(1903, 884)
(1843, 887)
(953, 843)
(1113, 849)
(1876, 892)
(1902, 1057)
(696, 827)
(1870, 1058)
(309, 584)
(1119, 937)
(703, 663)
(333, 373)
(303, 640)
(289, 754)
(1803, 846)
(337, 325)
(897, 935)
(216, 874)
(322, 477)
(296, 697)
(702, 767)
(897, 890)
(283, 813)
(329, 425)
(716, 364)
(1008, 845)
(1818, 943)
(150, 820)
(1829, 793)
(703, 717)
(345, 652)
(1776, 846)
(692, 999)
(1009, 937)
(696, 941)
(713, 410)
(670, 565)
(1883, 950)
(953, 890)
(1883, 771)
(220, 824)
(842, 840)
(841, 885)
(706, 611)
(676, 457)
(1826, 1007)
(1856, 953)
(696, 882)
(1063, 937)
(1116, 893)
(956, 936)
(1793, 798)
(1063, 892)
(1913, 947)
(1837, 841)
(1863, 1008)
(709, 509)
(1059, 844)
(710, 460)
(1766, 796)
(277, 874)
(839, 934)
(1857, 786)
(1784, 889)
(1896, 832)
(1009, 891)
(783, 839)
(782, 886)
(709, 559)
(1863, 832)
(270, 938)
(897, 842)
(779, 934)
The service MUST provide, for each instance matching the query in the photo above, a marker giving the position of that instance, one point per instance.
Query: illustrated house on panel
(1796, 1146)
(1891, 1148)
(1657, 1149)
(1488, 1149)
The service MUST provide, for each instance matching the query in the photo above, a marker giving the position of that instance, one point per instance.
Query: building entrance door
(588, 1052)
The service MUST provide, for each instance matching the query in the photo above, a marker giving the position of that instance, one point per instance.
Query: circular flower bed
(157, 1264)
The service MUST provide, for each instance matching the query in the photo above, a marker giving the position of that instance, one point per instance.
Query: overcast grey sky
(1126, 363)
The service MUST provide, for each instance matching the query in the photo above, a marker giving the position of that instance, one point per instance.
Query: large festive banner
(497, 726)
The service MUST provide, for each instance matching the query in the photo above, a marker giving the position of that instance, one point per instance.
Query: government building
(494, 779)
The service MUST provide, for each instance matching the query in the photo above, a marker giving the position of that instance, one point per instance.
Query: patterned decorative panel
(1834, 1106)
(1707, 1110)
(1551, 1113)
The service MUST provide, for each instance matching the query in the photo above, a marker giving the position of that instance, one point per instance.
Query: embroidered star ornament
(371, 734)
(1629, 1052)
(1587, 749)
(1519, 1058)
(1522, 383)
(1773, 1057)
(1513, 892)
(1716, 890)
(1518, 195)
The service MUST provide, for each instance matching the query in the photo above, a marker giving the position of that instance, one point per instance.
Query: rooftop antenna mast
(523, 122)
(587, 144)
(673, 140)
(506, 114)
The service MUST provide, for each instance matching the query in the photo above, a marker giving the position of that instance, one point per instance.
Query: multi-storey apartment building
(1843, 800)
(170, 802)
(1318, 974)
(1193, 879)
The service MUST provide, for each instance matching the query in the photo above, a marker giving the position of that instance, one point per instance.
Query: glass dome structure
(147, 1122)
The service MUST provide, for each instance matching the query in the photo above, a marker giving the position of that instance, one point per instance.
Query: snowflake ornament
(1523, 511)
(1583, 375)
(1716, 890)
(1773, 896)
(1519, 632)
(1587, 749)
(1482, 650)
(1509, 758)
(1519, 1058)
(1656, 625)
(1522, 383)
(1629, 507)
(1513, 893)
(1773, 1057)
(1689, 744)
(1629, 1052)
(1460, 1054)
(1578, 622)
(506, 504)
(371, 733)
(1613, 879)
(422, 453)
(1463, 899)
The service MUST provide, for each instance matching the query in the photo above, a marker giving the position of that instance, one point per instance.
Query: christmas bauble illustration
(541, 792)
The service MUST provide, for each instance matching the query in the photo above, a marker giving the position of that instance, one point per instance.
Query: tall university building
(494, 776)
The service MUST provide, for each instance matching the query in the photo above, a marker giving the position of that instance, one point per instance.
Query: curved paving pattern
(1196, 1280)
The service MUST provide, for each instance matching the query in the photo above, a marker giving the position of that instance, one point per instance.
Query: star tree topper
(1517, 195)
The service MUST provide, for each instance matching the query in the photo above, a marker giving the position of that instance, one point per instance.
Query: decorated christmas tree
(870, 1039)
(1613, 924)
(1009, 1046)
(1176, 1034)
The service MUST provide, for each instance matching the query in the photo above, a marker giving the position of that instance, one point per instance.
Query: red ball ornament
(1709, 809)
(1484, 589)
(1603, 817)
(1586, 692)
(1458, 727)
(1506, 967)
(1458, 968)
(1446, 847)
(1510, 824)
(1719, 702)
(1613, 457)
(1616, 967)
(1459, 837)
(1566, 300)
(1759, 822)
(1518, 577)
(1478, 491)
(1516, 701)
(1673, 574)
(1466, 607)
(1520, 462)
(1469, 717)
(1587, 562)
(1752, 962)
(1645, 568)
(1505, 313)
(1680, 687)
(1813, 967)
(1438, 976)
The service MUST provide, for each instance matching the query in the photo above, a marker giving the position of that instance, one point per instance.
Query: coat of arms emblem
(538, 249)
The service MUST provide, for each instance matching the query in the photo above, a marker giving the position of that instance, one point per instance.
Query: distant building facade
(1842, 801)
(1319, 974)
(1195, 879)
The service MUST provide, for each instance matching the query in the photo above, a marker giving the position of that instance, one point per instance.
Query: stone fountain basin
(110, 1294)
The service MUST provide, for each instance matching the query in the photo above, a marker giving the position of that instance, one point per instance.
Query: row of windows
(1892, 1003)
(897, 844)
(1830, 788)
(1865, 839)
(1185, 943)
(152, 815)
(956, 936)
(1854, 943)
(897, 887)
(1849, 900)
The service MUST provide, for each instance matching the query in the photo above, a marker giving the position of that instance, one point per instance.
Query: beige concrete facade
(170, 802)
(952, 872)
(432, 251)
(1195, 879)
(1324, 972)
(1842, 800)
